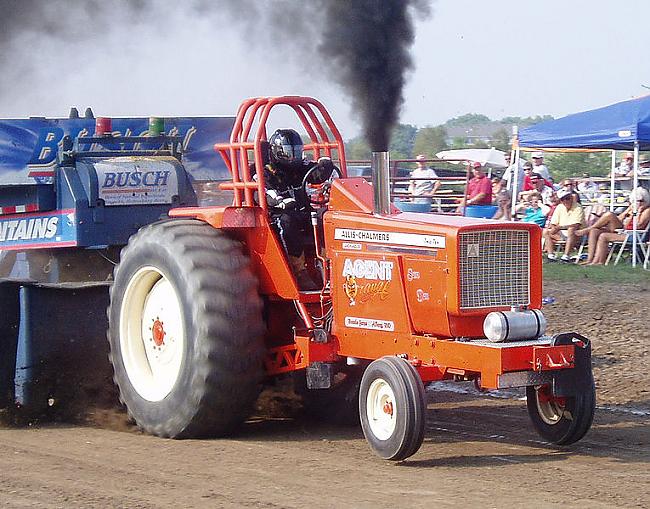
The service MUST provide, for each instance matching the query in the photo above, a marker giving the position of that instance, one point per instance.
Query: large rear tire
(185, 330)
(392, 407)
(561, 421)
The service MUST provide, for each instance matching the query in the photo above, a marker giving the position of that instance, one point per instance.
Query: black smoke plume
(368, 42)
(362, 44)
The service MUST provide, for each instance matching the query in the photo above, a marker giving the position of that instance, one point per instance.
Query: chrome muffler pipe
(380, 165)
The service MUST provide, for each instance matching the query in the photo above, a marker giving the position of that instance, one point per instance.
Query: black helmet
(286, 146)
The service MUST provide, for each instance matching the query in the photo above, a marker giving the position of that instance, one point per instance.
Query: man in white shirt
(588, 187)
(510, 171)
(423, 190)
(540, 167)
(625, 169)
(626, 166)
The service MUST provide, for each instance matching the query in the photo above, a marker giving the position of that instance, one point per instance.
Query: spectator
(540, 167)
(510, 171)
(627, 165)
(588, 187)
(423, 190)
(555, 201)
(567, 219)
(623, 170)
(533, 210)
(528, 172)
(498, 185)
(504, 204)
(607, 225)
(644, 168)
(479, 188)
(571, 185)
(539, 186)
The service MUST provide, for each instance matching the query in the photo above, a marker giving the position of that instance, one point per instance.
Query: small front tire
(561, 421)
(392, 407)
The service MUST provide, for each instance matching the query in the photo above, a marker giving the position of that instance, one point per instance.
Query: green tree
(501, 139)
(430, 140)
(574, 164)
(402, 140)
(468, 119)
(357, 149)
(458, 142)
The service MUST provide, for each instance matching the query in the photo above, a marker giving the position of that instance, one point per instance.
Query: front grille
(494, 268)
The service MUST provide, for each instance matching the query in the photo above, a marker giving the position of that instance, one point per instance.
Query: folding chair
(592, 213)
(642, 237)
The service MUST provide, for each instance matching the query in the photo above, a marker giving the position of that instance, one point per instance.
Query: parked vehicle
(72, 193)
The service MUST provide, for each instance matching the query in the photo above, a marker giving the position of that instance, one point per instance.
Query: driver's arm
(276, 200)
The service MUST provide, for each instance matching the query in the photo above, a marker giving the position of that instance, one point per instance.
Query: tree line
(407, 141)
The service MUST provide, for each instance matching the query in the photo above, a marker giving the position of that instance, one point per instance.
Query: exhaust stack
(380, 181)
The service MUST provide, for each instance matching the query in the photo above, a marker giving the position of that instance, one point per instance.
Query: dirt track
(478, 449)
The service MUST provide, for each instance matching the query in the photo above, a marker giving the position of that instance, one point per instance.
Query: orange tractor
(205, 306)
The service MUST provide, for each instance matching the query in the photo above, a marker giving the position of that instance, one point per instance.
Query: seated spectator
(479, 188)
(588, 187)
(644, 168)
(627, 165)
(528, 172)
(572, 186)
(567, 219)
(608, 227)
(555, 201)
(569, 184)
(623, 170)
(423, 190)
(533, 210)
(539, 186)
(498, 185)
(504, 204)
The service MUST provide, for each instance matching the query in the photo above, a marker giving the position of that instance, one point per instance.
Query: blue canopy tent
(621, 126)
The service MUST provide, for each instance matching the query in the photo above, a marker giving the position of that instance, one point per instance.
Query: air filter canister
(512, 325)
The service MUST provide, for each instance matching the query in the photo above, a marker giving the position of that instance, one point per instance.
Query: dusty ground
(617, 319)
(478, 449)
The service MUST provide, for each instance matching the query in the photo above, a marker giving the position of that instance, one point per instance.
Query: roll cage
(324, 135)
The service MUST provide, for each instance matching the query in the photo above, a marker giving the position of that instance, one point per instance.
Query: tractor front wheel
(561, 421)
(185, 330)
(392, 407)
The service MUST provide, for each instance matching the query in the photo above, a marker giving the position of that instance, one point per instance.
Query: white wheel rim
(152, 335)
(549, 411)
(381, 409)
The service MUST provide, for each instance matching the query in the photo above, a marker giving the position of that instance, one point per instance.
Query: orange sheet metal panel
(425, 283)
(369, 301)
(251, 226)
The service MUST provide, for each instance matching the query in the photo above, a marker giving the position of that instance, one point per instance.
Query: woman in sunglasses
(611, 227)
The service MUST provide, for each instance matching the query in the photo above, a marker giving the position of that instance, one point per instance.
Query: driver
(288, 203)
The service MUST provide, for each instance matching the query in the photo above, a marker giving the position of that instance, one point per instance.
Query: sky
(499, 58)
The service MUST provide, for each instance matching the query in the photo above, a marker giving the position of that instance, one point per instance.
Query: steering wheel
(317, 183)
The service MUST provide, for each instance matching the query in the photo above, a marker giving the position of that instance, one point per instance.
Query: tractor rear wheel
(561, 421)
(185, 330)
(392, 407)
